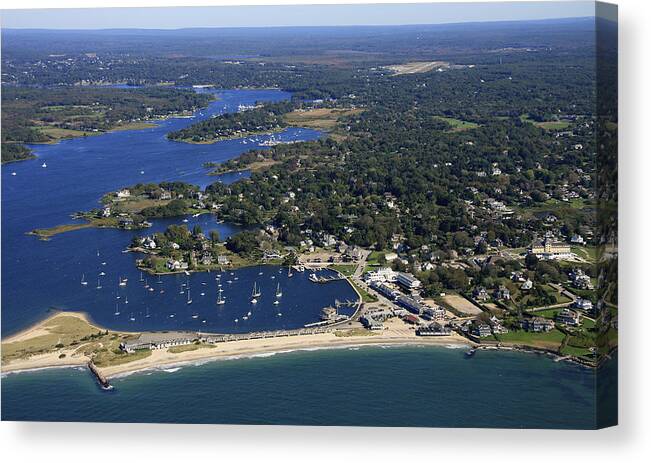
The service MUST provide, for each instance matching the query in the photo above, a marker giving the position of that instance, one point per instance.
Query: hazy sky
(290, 15)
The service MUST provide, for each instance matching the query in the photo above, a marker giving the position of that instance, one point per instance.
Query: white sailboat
(289, 272)
(99, 284)
(122, 282)
(83, 280)
(220, 299)
(256, 290)
(126, 299)
(279, 292)
(189, 299)
(117, 310)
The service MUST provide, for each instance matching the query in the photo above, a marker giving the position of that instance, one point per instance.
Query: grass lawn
(547, 125)
(366, 297)
(588, 253)
(320, 118)
(457, 124)
(549, 340)
(346, 270)
(576, 351)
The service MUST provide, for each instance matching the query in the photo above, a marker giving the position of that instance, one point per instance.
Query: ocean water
(366, 386)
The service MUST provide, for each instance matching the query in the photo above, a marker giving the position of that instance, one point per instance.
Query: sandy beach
(247, 348)
(396, 333)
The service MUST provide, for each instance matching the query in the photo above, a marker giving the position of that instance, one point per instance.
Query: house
(502, 293)
(583, 304)
(411, 319)
(206, 258)
(580, 279)
(125, 222)
(481, 330)
(384, 289)
(480, 293)
(577, 239)
(434, 313)
(125, 193)
(537, 324)
(165, 195)
(390, 256)
(410, 304)
(371, 323)
(106, 212)
(408, 281)
(223, 260)
(148, 243)
(496, 326)
(434, 329)
(381, 275)
(154, 340)
(527, 285)
(550, 249)
(568, 317)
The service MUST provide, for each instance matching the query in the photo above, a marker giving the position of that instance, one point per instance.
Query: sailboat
(126, 299)
(159, 280)
(141, 278)
(99, 284)
(255, 294)
(289, 272)
(220, 299)
(279, 292)
(189, 299)
(122, 282)
(117, 310)
(44, 165)
(132, 318)
(147, 313)
(83, 280)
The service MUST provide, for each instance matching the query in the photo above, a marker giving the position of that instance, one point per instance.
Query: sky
(291, 15)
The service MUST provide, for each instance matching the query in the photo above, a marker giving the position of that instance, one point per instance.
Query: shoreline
(395, 334)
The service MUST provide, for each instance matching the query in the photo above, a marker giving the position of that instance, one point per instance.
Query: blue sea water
(38, 276)
(367, 386)
(398, 386)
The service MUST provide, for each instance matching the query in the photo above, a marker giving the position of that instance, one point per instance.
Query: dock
(325, 279)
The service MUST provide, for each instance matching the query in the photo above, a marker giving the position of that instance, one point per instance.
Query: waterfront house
(381, 275)
(155, 340)
(568, 317)
(125, 193)
(371, 322)
(527, 285)
(481, 330)
(434, 329)
(223, 260)
(537, 324)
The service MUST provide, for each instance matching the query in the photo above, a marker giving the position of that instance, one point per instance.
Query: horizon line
(289, 26)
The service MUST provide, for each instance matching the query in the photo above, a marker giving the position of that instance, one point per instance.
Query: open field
(320, 118)
(550, 340)
(417, 66)
(547, 125)
(457, 124)
(461, 304)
